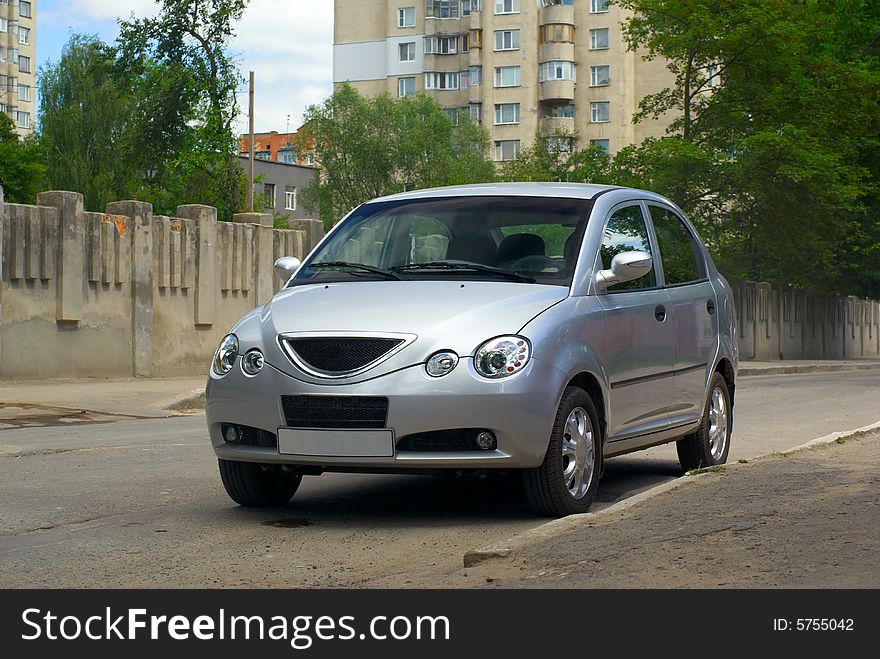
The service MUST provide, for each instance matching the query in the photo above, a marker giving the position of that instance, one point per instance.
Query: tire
(549, 490)
(252, 485)
(701, 448)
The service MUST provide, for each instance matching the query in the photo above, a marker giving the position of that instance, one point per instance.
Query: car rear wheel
(255, 486)
(709, 444)
(567, 480)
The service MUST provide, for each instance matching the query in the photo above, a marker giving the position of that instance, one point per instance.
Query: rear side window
(626, 232)
(681, 261)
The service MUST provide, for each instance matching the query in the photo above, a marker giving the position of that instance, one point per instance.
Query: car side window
(626, 231)
(681, 262)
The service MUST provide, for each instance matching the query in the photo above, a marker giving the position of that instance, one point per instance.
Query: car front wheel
(255, 486)
(709, 444)
(567, 480)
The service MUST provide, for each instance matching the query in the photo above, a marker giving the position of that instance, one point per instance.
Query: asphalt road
(138, 503)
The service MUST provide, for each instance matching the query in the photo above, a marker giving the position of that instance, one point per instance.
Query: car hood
(439, 315)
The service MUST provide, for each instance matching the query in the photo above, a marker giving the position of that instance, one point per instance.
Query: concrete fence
(779, 322)
(127, 292)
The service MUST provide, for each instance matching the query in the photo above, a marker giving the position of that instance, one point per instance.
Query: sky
(288, 44)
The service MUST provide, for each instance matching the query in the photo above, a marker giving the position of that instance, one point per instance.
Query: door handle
(710, 306)
(660, 313)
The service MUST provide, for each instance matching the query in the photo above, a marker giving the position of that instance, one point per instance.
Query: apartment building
(516, 66)
(18, 58)
(277, 147)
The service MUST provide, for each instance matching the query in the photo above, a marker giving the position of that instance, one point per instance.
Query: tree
(771, 169)
(370, 147)
(181, 62)
(84, 111)
(22, 165)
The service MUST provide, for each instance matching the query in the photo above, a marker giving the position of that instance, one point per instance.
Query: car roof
(569, 190)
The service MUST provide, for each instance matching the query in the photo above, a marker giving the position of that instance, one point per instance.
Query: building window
(287, 155)
(310, 159)
(566, 111)
(24, 35)
(549, 3)
(557, 33)
(4, 24)
(506, 149)
(599, 39)
(467, 6)
(269, 193)
(24, 64)
(406, 87)
(437, 45)
(24, 93)
(600, 112)
(476, 110)
(23, 119)
(556, 70)
(441, 80)
(507, 76)
(452, 113)
(600, 76)
(605, 145)
(289, 198)
(476, 39)
(476, 75)
(560, 144)
(598, 6)
(407, 51)
(506, 39)
(506, 113)
(406, 17)
(24, 8)
(506, 6)
(713, 78)
(263, 155)
(441, 8)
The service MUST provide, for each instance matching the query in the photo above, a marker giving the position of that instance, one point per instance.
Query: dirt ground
(807, 520)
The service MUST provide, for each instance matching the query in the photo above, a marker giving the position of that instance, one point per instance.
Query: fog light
(252, 363)
(231, 434)
(486, 441)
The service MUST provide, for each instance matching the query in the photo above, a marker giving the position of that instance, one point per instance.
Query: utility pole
(252, 157)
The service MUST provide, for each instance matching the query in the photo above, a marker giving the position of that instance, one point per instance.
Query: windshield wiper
(462, 265)
(345, 265)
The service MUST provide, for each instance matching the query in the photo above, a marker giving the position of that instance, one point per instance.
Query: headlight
(502, 357)
(441, 363)
(252, 362)
(224, 359)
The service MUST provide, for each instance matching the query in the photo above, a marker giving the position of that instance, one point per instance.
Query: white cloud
(288, 44)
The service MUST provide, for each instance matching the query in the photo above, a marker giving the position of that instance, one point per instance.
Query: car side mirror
(626, 266)
(286, 266)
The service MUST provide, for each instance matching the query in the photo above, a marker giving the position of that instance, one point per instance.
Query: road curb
(797, 369)
(193, 400)
(507, 548)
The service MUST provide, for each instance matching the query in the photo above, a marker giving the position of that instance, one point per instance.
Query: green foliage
(777, 165)
(22, 168)
(150, 117)
(370, 147)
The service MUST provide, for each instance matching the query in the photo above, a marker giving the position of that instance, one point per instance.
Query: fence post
(206, 264)
(141, 215)
(69, 283)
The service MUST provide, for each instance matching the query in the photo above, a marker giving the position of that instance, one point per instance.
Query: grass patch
(743, 461)
(705, 470)
(840, 440)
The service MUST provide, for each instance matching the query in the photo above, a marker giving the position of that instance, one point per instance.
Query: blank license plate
(336, 443)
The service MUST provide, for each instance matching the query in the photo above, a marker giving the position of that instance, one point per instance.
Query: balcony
(455, 62)
(475, 93)
(557, 14)
(444, 26)
(556, 90)
(557, 125)
(476, 20)
(556, 50)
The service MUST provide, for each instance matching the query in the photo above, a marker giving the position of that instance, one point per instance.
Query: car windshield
(516, 239)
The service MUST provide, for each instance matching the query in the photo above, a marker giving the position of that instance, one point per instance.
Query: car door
(692, 309)
(639, 337)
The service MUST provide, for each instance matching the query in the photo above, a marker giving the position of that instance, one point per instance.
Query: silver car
(535, 327)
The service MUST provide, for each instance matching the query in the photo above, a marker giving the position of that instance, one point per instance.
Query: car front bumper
(519, 410)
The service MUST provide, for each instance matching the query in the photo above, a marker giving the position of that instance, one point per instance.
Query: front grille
(451, 441)
(339, 354)
(335, 411)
